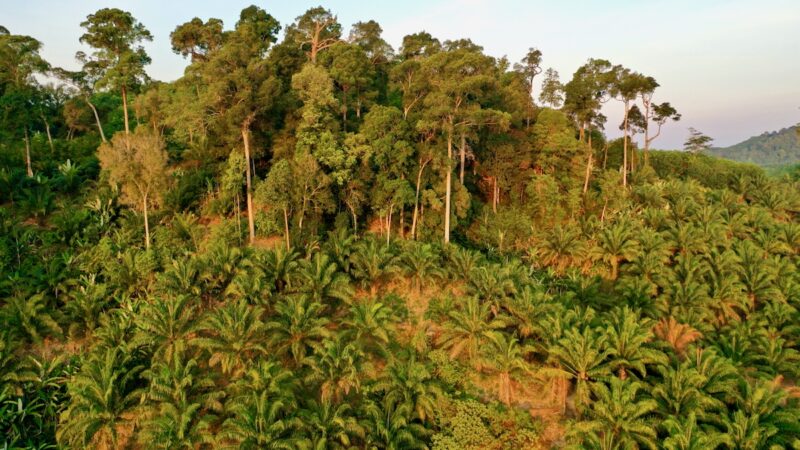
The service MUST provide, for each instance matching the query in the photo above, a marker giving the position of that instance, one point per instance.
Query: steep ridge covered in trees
(311, 240)
(777, 148)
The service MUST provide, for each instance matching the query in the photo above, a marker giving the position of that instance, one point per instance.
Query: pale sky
(731, 67)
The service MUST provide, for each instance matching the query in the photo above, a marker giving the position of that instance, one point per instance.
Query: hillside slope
(775, 148)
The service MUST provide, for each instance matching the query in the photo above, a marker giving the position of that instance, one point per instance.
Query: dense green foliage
(262, 260)
(771, 149)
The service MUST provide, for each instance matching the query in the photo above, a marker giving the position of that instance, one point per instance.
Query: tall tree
(139, 164)
(552, 89)
(316, 30)
(116, 37)
(196, 38)
(19, 62)
(458, 79)
(656, 113)
(697, 142)
(627, 87)
(241, 86)
(530, 66)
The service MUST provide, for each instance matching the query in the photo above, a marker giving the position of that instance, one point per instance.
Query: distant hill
(777, 148)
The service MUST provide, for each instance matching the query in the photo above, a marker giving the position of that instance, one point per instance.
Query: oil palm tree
(330, 426)
(685, 434)
(562, 247)
(280, 266)
(29, 317)
(181, 277)
(336, 368)
(297, 328)
(369, 326)
(764, 420)
(321, 281)
(410, 382)
(616, 244)
(506, 360)
(420, 263)
(680, 393)
(628, 336)
(372, 264)
(261, 410)
(391, 426)
(618, 418)
(468, 329)
(581, 355)
(179, 404)
(100, 413)
(678, 335)
(461, 261)
(165, 324)
(491, 284)
(233, 335)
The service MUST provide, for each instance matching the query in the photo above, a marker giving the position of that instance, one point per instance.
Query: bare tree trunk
(250, 218)
(448, 183)
(590, 152)
(125, 109)
(28, 153)
(96, 119)
(146, 226)
(625, 148)
(49, 136)
(494, 194)
(389, 224)
(463, 154)
(402, 224)
(416, 200)
(286, 226)
(239, 217)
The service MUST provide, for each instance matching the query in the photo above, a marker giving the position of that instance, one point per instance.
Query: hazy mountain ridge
(774, 148)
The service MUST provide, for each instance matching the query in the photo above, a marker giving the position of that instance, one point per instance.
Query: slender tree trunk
(96, 119)
(239, 217)
(286, 226)
(49, 136)
(146, 226)
(625, 148)
(402, 223)
(416, 200)
(355, 218)
(463, 154)
(389, 224)
(448, 182)
(125, 109)
(250, 217)
(28, 153)
(494, 194)
(589, 161)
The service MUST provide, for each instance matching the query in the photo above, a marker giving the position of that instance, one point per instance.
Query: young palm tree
(102, 397)
(261, 410)
(85, 303)
(321, 281)
(491, 284)
(330, 426)
(616, 244)
(680, 393)
(178, 405)
(391, 426)
(562, 247)
(336, 368)
(372, 264)
(506, 359)
(410, 382)
(581, 355)
(181, 277)
(764, 419)
(165, 324)
(220, 265)
(619, 418)
(297, 327)
(756, 273)
(685, 434)
(461, 262)
(678, 335)
(29, 318)
(281, 266)
(469, 329)
(420, 263)
(369, 326)
(233, 335)
(627, 337)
